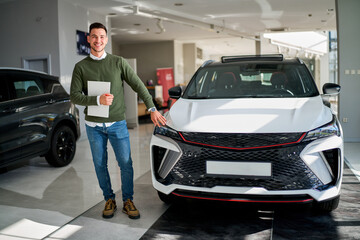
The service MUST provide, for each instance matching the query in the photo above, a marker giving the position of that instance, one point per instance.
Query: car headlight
(328, 130)
(167, 132)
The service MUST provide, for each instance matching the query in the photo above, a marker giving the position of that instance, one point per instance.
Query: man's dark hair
(97, 25)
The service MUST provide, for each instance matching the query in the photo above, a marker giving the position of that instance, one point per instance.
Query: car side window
(4, 94)
(27, 86)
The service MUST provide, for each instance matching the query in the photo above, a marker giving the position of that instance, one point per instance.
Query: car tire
(168, 199)
(327, 206)
(63, 147)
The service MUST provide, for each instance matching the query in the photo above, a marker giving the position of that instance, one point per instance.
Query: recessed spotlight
(178, 4)
(137, 24)
(276, 29)
(309, 15)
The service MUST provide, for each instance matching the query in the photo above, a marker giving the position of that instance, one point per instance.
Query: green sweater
(112, 69)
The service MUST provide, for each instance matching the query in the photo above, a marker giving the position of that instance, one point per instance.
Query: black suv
(36, 118)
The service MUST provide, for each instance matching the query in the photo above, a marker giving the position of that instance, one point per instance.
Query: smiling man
(104, 67)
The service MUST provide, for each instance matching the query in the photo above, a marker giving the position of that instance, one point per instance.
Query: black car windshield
(252, 80)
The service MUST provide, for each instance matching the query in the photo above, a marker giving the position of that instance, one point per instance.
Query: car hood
(250, 115)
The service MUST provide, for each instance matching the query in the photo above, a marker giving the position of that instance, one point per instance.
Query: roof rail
(267, 57)
(299, 60)
(207, 63)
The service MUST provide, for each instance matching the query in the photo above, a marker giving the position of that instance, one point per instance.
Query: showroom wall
(149, 57)
(72, 18)
(29, 29)
(348, 19)
(43, 28)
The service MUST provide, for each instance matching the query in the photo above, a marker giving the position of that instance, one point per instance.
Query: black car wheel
(63, 147)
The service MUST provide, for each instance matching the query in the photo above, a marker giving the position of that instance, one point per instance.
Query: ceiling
(135, 21)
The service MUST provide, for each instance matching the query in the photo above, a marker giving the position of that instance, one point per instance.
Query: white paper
(96, 88)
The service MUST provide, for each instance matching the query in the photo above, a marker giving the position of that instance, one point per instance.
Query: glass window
(4, 95)
(252, 80)
(27, 88)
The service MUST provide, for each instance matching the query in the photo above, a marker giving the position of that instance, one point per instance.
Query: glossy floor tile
(41, 202)
(37, 196)
(213, 220)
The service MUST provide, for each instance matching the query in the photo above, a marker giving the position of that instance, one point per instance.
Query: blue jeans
(118, 136)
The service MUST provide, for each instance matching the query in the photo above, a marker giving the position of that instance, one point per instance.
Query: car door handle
(51, 101)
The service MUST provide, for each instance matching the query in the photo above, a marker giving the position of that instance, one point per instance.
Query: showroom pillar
(258, 47)
(348, 18)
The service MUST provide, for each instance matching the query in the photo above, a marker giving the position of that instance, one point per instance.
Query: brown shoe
(110, 208)
(130, 209)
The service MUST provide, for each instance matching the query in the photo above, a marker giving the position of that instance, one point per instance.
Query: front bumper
(300, 171)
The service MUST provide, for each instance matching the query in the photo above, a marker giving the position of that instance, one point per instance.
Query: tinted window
(25, 85)
(252, 80)
(4, 95)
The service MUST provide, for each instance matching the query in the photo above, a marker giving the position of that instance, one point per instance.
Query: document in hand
(96, 88)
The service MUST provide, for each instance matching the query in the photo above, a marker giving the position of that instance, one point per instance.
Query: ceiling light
(136, 11)
(124, 10)
(277, 29)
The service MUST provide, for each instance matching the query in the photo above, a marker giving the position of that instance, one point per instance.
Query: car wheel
(63, 147)
(166, 198)
(327, 206)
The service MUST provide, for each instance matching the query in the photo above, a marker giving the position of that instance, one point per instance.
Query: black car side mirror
(175, 92)
(331, 89)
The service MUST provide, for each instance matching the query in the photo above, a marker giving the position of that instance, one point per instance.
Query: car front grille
(289, 172)
(242, 141)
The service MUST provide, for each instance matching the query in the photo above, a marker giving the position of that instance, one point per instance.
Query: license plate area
(239, 169)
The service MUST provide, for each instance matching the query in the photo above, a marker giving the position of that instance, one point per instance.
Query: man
(104, 67)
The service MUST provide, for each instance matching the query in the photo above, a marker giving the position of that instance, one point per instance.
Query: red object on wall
(165, 78)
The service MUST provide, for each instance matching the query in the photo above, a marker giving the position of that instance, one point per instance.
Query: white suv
(250, 129)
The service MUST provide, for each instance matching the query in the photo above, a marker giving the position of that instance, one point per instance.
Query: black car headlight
(167, 132)
(328, 130)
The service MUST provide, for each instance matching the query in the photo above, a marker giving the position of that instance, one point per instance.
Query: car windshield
(254, 80)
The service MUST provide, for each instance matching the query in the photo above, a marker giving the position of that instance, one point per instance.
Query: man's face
(98, 40)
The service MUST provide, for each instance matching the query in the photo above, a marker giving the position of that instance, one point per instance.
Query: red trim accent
(248, 201)
(209, 145)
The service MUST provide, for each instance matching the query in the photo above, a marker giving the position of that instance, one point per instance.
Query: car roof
(28, 71)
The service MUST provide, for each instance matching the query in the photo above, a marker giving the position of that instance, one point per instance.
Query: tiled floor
(41, 202)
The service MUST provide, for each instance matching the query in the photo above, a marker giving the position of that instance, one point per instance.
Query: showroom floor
(41, 202)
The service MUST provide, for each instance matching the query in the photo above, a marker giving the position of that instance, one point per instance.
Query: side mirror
(175, 92)
(331, 89)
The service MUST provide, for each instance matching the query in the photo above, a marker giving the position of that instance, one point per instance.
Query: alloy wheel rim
(64, 146)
